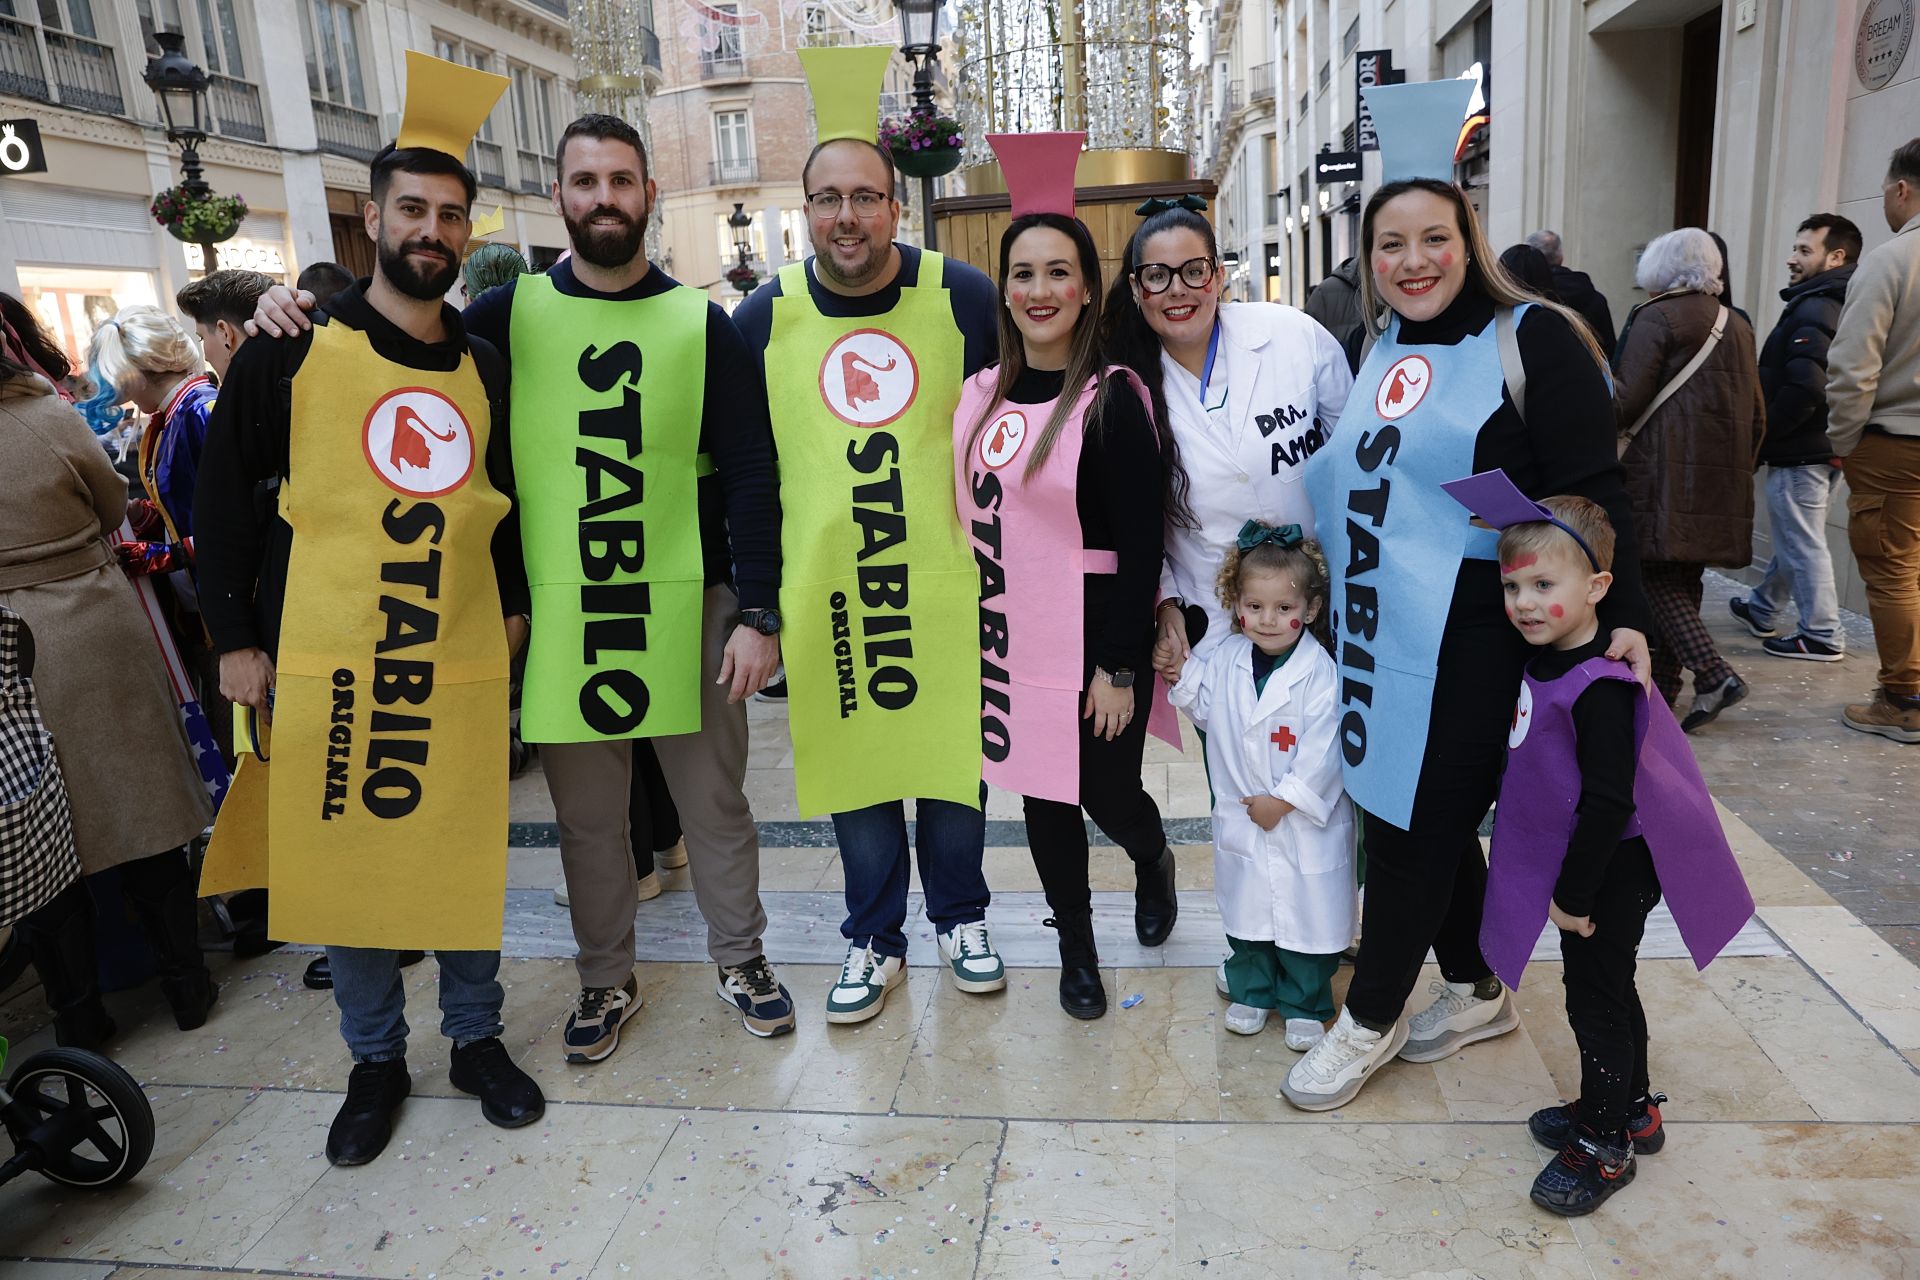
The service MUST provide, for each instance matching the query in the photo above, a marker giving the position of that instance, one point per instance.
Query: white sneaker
(1245, 1020)
(864, 982)
(976, 967)
(672, 859)
(1455, 1020)
(560, 895)
(1333, 1070)
(1220, 982)
(1304, 1033)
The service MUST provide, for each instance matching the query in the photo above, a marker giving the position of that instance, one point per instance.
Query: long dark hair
(1484, 271)
(26, 337)
(1726, 273)
(1128, 339)
(1084, 361)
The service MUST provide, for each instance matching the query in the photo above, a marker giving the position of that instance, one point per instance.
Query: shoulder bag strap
(1506, 335)
(1679, 379)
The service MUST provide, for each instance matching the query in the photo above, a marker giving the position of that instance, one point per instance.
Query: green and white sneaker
(864, 982)
(971, 959)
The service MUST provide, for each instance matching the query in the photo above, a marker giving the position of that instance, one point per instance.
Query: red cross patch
(1283, 738)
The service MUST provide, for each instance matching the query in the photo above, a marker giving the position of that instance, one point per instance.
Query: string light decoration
(612, 41)
(1116, 68)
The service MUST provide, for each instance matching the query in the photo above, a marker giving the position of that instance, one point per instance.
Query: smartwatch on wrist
(1121, 679)
(765, 621)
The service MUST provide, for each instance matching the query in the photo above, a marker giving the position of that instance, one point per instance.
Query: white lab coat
(1294, 885)
(1282, 371)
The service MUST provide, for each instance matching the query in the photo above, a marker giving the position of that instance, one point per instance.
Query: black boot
(1154, 905)
(160, 890)
(1081, 993)
(59, 938)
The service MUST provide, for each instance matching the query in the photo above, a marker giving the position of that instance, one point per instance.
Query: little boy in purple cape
(1601, 809)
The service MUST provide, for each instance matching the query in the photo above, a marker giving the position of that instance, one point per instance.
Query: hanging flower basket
(744, 278)
(208, 220)
(923, 146)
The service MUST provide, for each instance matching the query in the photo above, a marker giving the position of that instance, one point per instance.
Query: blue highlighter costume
(1428, 661)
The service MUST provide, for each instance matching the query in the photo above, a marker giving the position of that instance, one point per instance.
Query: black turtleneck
(241, 545)
(1118, 490)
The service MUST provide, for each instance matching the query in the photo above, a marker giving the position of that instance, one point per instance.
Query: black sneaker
(1587, 1170)
(364, 1123)
(1804, 648)
(1552, 1126)
(1708, 706)
(1738, 608)
(508, 1096)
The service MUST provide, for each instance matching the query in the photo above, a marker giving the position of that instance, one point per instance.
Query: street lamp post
(180, 87)
(920, 42)
(743, 275)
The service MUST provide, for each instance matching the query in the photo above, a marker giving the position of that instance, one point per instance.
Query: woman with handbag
(1687, 397)
(136, 794)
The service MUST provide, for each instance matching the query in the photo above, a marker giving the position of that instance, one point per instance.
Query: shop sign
(1336, 166)
(240, 254)
(1880, 45)
(20, 148)
(1370, 67)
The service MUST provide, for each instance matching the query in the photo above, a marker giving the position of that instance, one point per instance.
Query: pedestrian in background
(1576, 289)
(1688, 403)
(1799, 462)
(1873, 425)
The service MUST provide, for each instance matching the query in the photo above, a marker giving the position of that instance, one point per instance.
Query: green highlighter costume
(879, 595)
(610, 512)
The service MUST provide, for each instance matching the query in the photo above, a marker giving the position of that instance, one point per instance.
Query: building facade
(303, 93)
(1608, 121)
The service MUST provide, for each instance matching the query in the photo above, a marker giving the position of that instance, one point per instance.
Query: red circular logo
(1000, 442)
(1404, 387)
(418, 442)
(868, 378)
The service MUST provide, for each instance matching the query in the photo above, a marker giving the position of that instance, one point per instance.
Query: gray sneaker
(1455, 1020)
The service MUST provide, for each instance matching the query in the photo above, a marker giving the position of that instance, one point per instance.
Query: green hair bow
(1253, 533)
(1157, 204)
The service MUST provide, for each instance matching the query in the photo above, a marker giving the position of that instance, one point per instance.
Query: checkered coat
(104, 695)
(37, 859)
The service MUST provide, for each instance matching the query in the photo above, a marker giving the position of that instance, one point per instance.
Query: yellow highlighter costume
(385, 783)
(879, 594)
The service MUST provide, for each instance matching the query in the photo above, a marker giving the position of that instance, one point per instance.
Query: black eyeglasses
(866, 204)
(1157, 277)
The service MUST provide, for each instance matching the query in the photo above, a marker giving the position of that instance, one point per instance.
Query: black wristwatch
(1121, 679)
(765, 621)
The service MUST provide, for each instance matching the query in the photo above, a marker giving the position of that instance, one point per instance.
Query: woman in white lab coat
(1266, 696)
(1250, 389)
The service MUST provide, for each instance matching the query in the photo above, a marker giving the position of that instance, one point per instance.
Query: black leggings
(1112, 796)
(1603, 1006)
(1423, 890)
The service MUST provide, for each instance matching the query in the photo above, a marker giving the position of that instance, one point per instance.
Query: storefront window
(72, 301)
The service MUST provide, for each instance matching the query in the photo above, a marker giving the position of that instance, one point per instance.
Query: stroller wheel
(84, 1117)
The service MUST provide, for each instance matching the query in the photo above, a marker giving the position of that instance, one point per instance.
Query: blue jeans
(873, 854)
(1797, 500)
(373, 1003)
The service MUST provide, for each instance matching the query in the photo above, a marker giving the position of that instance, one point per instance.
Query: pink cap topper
(1038, 168)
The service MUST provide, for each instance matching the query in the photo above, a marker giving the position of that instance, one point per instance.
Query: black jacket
(1793, 371)
(1576, 290)
(1335, 303)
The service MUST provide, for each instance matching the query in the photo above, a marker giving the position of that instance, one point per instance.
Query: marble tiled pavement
(966, 1136)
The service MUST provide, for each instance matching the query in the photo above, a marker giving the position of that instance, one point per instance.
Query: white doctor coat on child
(1292, 886)
(1281, 382)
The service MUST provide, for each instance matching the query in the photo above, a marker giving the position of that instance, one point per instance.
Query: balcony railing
(536, 172)
(1260, 83)
(1235, 98)
(723, 64)
(21, 72)
(345, 131)
(84, 72)
(488, 160)
(733, 173)
(650, 48)
(236, 108)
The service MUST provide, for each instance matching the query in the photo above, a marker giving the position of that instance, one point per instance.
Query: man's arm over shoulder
(736, 432)
(976, 310)
(509, 561)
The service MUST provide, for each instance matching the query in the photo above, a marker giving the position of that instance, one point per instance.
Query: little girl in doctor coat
(1267, 698)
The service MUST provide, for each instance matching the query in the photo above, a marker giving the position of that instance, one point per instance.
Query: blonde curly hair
(143, 339)
(1304, 562)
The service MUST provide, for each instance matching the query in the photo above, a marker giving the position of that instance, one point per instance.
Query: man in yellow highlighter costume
(365, 623)
(866, 345)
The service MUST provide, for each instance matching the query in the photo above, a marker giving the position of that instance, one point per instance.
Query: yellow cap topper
(446, 104)
(489, 223)
(845, 83)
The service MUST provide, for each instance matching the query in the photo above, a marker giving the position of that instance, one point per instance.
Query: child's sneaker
(1304, 1033)
(1220, 982)
(1588, 1169)
(968, 950)
(865, 979)
(1456, 1019)
(1245, 1020)
(1333, 1070)
(1552, 1126)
